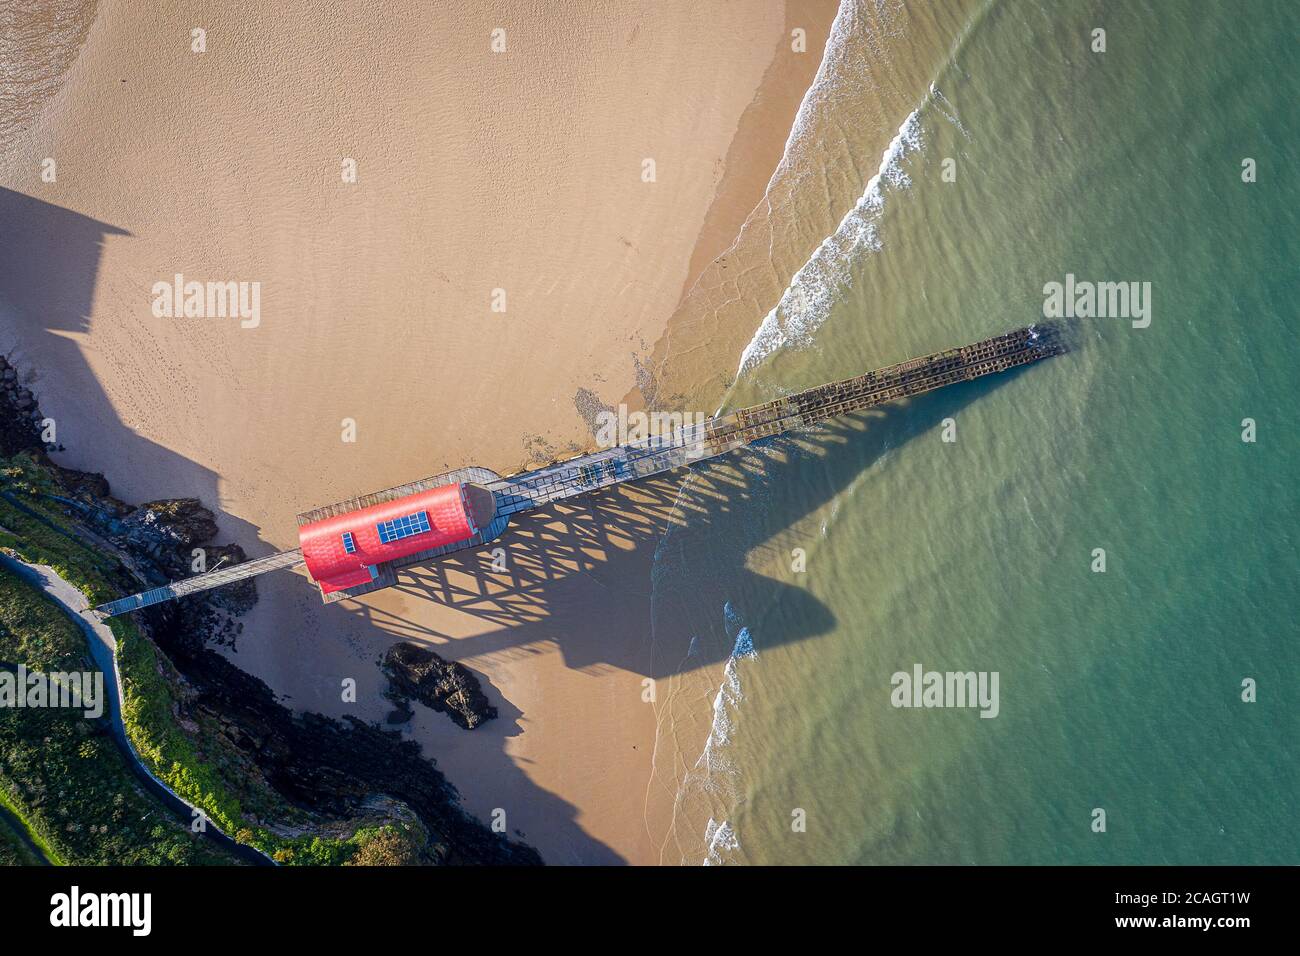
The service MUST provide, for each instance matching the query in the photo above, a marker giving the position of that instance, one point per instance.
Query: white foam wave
(725, 704)
(713, 777)
(822, 86)
(805, 305)
(719, 838)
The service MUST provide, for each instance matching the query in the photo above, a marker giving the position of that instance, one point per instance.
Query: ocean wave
(726, 703)
(744, 648)
(819, 91)
(944, 106)
(806, 304)
(719, 838)
(710, 789)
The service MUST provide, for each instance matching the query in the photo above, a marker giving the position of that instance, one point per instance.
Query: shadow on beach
(49, 264)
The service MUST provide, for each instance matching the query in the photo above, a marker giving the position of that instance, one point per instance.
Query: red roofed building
(343, 551)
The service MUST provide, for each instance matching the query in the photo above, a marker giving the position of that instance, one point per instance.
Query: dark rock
(446, 686)
(83, 485)
(183, 522)
(327, 766)
(18, 417)
(399, 715)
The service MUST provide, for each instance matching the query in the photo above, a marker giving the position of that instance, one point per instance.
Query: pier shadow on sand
(580, 577)
(636, 578)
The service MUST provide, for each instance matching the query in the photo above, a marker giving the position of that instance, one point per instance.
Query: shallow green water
(1118, 690)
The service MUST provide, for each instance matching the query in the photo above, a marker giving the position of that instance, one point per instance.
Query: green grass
(201, 768)
(60, 772)
(13, 850)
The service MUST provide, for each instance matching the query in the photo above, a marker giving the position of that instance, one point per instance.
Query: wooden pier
(651, 456)
(725, 433)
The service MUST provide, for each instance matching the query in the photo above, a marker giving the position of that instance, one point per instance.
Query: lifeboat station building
(356, 546)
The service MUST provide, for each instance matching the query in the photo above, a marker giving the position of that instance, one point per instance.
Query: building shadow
(49, 266)
(50, 259)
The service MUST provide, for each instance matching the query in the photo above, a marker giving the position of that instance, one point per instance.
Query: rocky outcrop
(446, 686)
(161, 538)
(89, 487)
(330, 767)
(174, 523)
(20, 415)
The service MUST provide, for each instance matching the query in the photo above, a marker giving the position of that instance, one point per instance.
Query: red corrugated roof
(334, 569)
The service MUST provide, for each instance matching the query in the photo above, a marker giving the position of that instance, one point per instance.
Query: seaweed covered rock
(89, 487)
(446, 686)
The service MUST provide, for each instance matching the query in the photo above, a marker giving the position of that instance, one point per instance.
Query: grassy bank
(60, 772)
(199, 765)
(20, 845)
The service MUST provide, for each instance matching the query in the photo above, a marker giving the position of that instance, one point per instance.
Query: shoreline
(756, 151)
(878, 64)
(543, 669)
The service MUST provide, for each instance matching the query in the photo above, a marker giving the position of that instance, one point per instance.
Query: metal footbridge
(651, 456)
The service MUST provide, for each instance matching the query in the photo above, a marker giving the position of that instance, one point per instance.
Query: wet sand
(477, 171)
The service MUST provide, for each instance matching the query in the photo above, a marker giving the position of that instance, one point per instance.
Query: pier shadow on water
(608, 580)
(628, 576)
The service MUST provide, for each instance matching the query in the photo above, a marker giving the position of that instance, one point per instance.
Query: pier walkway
(651, 456)
(717, 436)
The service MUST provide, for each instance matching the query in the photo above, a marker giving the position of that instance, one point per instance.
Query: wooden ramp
(717, 436)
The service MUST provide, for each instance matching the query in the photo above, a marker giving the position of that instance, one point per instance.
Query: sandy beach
(503, 257)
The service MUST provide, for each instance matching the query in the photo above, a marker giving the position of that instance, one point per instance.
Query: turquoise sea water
(1118, 690)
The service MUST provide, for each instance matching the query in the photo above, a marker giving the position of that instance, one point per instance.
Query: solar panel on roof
(403, 527)
(349, 545)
